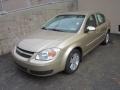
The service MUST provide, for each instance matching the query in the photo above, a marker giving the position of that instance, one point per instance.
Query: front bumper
(35, 72)
(38, 68)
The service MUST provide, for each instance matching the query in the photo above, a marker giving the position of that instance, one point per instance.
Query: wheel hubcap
(75, 59)
(107, 38)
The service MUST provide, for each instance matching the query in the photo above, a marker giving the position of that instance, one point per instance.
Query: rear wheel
(73, 61)
(107, 39)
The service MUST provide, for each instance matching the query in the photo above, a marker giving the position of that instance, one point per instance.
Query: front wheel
(73, 61)
(107, 39)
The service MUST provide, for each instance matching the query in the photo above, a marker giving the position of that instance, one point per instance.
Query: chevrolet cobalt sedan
(61, 43)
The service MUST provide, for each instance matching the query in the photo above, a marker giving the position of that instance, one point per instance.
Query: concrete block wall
(15, 25)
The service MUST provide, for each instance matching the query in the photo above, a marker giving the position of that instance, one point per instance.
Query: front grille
(24, 53)
(29, 52)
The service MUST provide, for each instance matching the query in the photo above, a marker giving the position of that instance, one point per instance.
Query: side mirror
(91, 28)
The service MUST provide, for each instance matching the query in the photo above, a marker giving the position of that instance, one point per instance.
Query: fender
(67, 52)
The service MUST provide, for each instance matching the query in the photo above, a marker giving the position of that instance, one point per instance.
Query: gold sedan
(61, 43)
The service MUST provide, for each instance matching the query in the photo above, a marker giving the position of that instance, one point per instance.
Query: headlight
(48, 54)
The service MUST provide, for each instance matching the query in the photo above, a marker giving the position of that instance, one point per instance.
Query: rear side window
(100, 18)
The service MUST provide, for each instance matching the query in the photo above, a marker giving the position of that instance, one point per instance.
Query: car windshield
(65, 23)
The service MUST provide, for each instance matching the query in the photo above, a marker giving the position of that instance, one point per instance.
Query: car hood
(44, 39)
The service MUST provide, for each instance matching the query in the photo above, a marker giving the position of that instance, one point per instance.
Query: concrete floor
(100, 70)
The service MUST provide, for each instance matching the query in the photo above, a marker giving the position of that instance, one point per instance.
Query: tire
(73, 61)
(107, 39)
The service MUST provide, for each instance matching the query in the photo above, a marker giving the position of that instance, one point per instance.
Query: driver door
(90, 36)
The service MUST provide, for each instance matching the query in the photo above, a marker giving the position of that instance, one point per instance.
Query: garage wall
(15, 25)
(109, 7)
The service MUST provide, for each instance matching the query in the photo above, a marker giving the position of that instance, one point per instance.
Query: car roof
(80, 13)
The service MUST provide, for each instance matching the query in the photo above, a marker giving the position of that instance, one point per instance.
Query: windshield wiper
(53, 29)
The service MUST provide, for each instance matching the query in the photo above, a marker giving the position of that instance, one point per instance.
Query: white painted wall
(111, 8)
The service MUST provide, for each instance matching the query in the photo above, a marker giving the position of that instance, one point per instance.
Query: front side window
(65, 23)
(100, 18)
(91, 21)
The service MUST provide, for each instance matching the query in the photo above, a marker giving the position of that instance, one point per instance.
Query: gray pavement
(100, 70)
